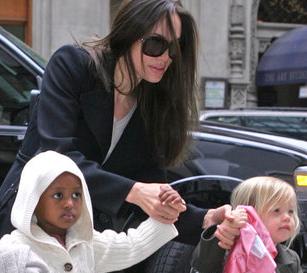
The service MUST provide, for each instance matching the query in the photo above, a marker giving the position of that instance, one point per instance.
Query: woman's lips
(159, 69)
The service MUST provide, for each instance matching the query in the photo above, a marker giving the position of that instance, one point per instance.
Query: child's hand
(229, 229)
(217, 216)
(168, 196)
(239, 217)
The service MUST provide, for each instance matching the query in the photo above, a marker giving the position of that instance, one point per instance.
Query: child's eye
(276, 210)
(291, 211)
(76, 195)
(58, 195)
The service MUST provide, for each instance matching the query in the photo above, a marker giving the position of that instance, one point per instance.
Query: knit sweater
(86, 250)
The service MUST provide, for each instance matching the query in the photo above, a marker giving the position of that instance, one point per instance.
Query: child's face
(280, 221)
(59, 207)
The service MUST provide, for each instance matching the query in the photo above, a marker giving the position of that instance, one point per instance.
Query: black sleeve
(66, 76)
(189, 225)
(208, 257)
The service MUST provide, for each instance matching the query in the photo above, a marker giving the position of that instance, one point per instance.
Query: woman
(121, 107)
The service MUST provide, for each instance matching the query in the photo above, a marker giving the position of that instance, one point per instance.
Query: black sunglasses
(155, 46)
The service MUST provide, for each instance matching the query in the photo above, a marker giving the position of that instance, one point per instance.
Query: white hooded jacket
(86, 250)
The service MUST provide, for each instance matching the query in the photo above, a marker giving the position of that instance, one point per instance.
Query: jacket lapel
(98, 107)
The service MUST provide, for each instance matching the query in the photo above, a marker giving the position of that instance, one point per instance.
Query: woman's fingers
(216, 216)
(170, 197)
(226, 235)
(174, 201)
(167, 211)
(151, 204)
(224, 246)
(229, 229)
(147, 197)
(240, 217)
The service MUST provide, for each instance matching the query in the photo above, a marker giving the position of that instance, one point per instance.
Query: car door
(19, 74)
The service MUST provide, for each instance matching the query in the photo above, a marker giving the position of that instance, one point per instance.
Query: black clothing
(74, 116)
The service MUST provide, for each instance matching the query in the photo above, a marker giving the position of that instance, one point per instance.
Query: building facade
(233, 36)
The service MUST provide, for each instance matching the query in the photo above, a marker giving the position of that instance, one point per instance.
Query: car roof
(265, 112)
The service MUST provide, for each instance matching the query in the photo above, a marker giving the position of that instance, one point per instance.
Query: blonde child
(272, 210)
(54, 232)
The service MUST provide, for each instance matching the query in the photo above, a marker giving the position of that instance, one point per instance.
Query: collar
(285, 256)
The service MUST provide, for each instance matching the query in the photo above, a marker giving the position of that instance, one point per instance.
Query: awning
(285, 62)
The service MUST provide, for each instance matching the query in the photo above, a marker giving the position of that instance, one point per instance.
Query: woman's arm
(63, 126)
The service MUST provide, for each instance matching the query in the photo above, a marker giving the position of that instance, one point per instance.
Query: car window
(292, 126)
(16, 82)
(24, 47)
(289, 126)
(241, 160)
(225, 119)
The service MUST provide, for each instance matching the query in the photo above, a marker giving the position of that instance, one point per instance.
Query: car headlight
(300, 178)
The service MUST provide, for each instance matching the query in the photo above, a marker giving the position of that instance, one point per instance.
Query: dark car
(220, 155)
(21, 71)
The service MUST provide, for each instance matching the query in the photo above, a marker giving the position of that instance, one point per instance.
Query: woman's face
(149, 68)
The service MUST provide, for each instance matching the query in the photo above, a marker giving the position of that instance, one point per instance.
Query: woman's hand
(217, 216)
(229, 229)
(169, 196)
(146, 196)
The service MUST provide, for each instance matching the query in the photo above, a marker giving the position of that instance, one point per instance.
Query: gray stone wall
(58, 22)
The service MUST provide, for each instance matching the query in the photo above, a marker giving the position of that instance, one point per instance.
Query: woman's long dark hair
(169, 107)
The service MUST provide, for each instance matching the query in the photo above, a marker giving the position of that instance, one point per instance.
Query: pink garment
(254, 251)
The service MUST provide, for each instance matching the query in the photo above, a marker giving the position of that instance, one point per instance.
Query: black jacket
(74, 116)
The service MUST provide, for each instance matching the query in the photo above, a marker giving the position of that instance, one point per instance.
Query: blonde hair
(265, 192)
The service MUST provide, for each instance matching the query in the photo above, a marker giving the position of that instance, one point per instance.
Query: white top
(118, 129)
